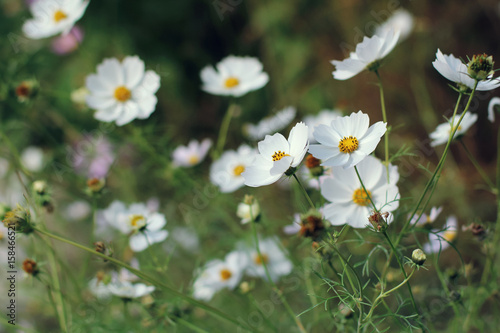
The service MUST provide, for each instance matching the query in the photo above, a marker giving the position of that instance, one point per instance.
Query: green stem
(478, 166)
(384, 118)
(304, 192)
(346, 265)
(224, 128)
(148, 278)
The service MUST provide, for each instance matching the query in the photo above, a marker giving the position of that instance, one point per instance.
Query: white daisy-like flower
(349, 203)
(226, 171)
(427, 219)
(122, 92)
(32, 158)
(99, 288)
(401, 20)
(143, 226)
(324, 117)
(347, 140)
(272, 124)
(442, 132)
(235, 76)
(52, 17)
(295, 227)
(219, 274)
(494, 104)
(272, 256)
(276, 156)
(440, 239)
(368, 52)
(246, 212)
(77, 210)
(192, 154)
(455, 70)
(128, 290)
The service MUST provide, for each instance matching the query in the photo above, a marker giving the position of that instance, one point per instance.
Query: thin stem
(384, 118)
(223, 131)
(304, 192)
(346, 263)
(478, 166)
(148, 278)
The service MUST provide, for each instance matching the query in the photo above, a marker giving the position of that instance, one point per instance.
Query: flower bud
(311, 225)
(480, 67)
(95, 185)
(42, 195)
(418, 257)
(249, 209)
(314, 166)
(378, 220)
(30, 267)
(26, 90)
(19, 220)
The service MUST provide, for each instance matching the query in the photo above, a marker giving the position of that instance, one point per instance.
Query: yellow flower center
(278, 155)
(449, 235)
(361, 198)
(59, 15)
(238, 170)
(122, 94)
(225, 274)
(348, 144)
(137, 221)
(194, 159)
(262, 259)
(231, 82)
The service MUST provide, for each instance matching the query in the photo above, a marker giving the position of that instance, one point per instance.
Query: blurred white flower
(368, 53)
(347, 140)
(191, 155)
(79, 96)
(494, 103)
(77, 210)
(276, 156)
(226, 171)
(400, 21)
(439, 239)
(270, 124)
(32, 158)
(122, 92)
(235, 76)
(272, 256)
(324, 117)
(442, 132)
(455, 70)
(52, 17)
(248, 210)
(128, 290)
(427, 219)
(99, 288)
(186, 238)
(219, 274)
(143, 226)
(350, 204)
(294, 228)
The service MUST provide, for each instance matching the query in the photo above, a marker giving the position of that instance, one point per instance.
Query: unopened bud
(30, 267)
(314, 166)
(18, 219)
(95, 185)
(26, 90)
(249, 209)
(418, 256)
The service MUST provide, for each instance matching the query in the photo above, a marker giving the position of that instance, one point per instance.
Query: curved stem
(304, 192)
(384, 117)
(221, 140)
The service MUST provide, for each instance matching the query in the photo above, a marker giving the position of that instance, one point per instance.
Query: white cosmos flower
(52, 17)
(226, 171)
(347, 140)
(439, 239)
(192, 154)
(401, 20)
(370, 50)
(427, 219)
(235, 76)
(128, 290)
(324, 117)
(122, 92)
(272, 256)
(455, 70)
(143, 226)
(276, 156)
(494, 103)
(219, 274)
(270, 124)
(32, 158)
(246, 212)
(442, 132)
(349, 201)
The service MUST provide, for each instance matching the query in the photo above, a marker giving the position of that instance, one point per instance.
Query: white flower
(272, 256)
(401, 20)
(32, 158)
(367, 53)
(277, 155)
(270, 124)
(186, 238)
(99, 288)
(144, 226)
(427, 219)
(494, 103)
(349, 202)
(347, 140)
(455, 70)
(219, 274)
(295, 227)
(439, 239)
(235, 76)
(248, 212)
(191, 155)
(442, 132)
(52, 17)
(226, 171)
(79, 96)
(77, 210)
(122, 92)
(128, 290)
(324, 117)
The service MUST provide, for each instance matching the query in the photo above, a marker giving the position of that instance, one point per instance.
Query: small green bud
(418, 257)
(18, 219)
(480, 67)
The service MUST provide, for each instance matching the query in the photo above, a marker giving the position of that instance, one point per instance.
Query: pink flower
(66, 44)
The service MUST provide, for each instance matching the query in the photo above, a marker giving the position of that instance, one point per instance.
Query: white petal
(133, 68)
